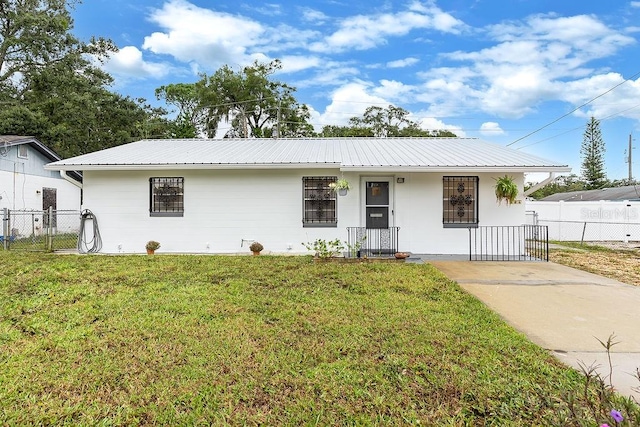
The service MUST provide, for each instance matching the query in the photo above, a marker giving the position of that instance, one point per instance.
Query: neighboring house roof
(361, 154)
(630, 192)
(15, 140)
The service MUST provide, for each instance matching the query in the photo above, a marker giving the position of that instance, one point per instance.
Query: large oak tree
(249, 101)
(51, 86)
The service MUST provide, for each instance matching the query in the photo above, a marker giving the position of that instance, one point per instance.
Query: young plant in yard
(325, 249)
(354, 249)
(602, 402)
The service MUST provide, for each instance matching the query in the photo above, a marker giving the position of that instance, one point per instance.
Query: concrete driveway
(563, 310)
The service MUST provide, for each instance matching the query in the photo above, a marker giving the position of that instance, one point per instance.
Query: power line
(573, 111)
(579, 127)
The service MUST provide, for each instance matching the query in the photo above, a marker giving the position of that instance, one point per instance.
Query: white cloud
(292, 64)
(585, 35)
(268, 9)
(432, 123)
(401, 63)
(352, 99)
(331, 74)
(491, 129)
(128, 62)
(635, 4)
(313, 16)
(348, 101)
(623, 101)
(191, 33)
(210, 38)
(367, 31)
(284, 37)
(396, 91)
(530, 64)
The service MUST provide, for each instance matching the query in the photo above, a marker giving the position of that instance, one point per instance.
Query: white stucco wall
(225, 207)
(419, 213)
(23, 191)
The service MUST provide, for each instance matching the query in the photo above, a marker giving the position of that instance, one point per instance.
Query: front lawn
(122, 340)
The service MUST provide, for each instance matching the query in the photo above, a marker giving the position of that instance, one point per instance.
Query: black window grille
(319, 202)
(460, 201)
(167, 196)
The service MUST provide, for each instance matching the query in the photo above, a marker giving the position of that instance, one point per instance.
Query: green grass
(39, 242)
(200, 340)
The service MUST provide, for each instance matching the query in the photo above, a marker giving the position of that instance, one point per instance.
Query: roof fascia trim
(63, 166)
(514, 169)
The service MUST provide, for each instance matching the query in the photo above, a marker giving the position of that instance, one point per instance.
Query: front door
(49, 200)
(378, 203)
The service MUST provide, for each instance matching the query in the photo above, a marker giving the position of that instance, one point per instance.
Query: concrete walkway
(563, 310)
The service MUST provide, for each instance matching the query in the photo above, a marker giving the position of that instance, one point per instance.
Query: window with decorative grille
(319, 202)
(166, 196)
(460, 201)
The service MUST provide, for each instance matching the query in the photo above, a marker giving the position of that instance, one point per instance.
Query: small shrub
(325, 249)
(256, 247)
(152, 245)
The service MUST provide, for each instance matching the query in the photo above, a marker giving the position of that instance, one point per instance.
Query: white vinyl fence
(603, 221)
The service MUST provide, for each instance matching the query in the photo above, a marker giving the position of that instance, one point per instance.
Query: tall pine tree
(592, 152)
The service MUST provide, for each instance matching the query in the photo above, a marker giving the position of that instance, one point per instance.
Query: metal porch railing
(509, 243)
(372, 242)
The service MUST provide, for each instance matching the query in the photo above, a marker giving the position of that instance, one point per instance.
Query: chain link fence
(40, 230)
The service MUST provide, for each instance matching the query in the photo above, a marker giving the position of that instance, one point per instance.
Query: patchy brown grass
(618, 263)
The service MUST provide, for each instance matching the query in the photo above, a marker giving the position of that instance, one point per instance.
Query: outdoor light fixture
(400, 180)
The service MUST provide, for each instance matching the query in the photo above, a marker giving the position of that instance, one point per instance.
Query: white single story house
(419, 195)
(24, 182)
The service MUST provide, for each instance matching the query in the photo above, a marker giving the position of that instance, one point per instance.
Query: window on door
(50, 200)
(377, 204)
(460, 201)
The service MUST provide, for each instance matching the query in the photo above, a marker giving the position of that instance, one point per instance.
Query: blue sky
(493, 69)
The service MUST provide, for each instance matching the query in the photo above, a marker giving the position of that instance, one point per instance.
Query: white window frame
(23, 151)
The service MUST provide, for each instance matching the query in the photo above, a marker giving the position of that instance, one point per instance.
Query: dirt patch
(621, 262)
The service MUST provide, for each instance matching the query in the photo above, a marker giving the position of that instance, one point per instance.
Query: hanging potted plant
(506, 189)
(341, 186)
(256, 248)
(152, 246)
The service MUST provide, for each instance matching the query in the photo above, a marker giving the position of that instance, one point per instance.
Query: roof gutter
(549, 179)
(63, 174)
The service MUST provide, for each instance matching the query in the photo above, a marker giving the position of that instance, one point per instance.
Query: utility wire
(578, 128)
(574, 110)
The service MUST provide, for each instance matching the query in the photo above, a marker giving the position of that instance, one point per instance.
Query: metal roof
(15, 140)
(379, 154)
(630, 192)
